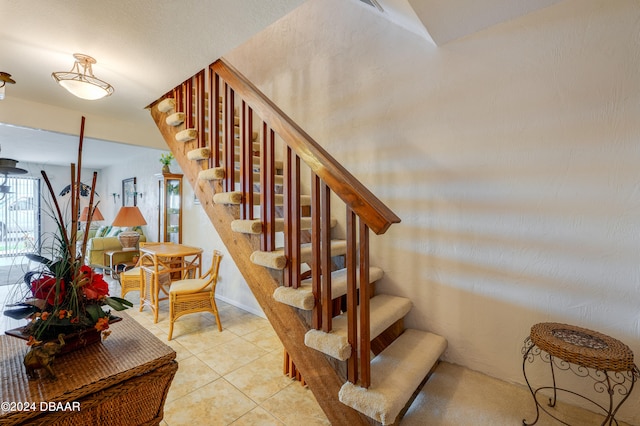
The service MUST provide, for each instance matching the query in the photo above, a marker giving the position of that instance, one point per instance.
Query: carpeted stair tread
(385, 311)
(175, 119)
(396, 373)
(277, 260)
(302, 297)
(235, 197)
(166, 105)
(254, 226)
(215, 173)
(186, 135)
(199, 154)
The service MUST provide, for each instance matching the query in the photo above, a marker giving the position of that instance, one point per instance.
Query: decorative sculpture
(42, 356)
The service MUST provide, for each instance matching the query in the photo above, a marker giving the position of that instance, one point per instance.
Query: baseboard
(235, 303)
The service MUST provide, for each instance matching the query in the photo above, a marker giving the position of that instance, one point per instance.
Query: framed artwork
(129, 194)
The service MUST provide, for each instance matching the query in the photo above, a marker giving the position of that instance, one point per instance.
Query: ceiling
(146, 47)
(131, 41)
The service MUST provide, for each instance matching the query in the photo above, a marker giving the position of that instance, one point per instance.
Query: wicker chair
(130, 280)
(194, 295)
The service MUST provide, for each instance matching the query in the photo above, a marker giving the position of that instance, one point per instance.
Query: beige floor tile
(245, 324)
(203, 340)
(266, 339)
(192, 374)
(296, 405)
(181, 351)
(230, 356)
(217, 403)
(257, 417)
(260, 379)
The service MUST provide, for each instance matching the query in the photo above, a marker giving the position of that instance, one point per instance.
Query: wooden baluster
(214, 118)
(292, 219)
(187, 87)
(200, 109)
(365, 296)
(230, 140)
(315, 248)
(352, 296)
(296, 239)
(177, 96)
(267, 189)
(246, 161)
(325, 256)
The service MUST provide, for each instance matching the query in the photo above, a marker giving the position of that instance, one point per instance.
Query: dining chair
(150, 285)
(192, 295)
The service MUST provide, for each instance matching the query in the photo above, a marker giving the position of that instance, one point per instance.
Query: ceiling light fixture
(8, 167)
(4, 79)
(81, 82)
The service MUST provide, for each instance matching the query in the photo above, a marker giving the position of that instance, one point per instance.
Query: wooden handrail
(377, 216)
(365, 212)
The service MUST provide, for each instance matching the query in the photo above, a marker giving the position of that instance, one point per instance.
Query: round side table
(586, 353)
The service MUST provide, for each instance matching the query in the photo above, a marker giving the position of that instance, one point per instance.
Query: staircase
(270, 191)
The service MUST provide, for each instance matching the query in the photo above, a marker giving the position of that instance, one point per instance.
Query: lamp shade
(97, 215)
(128, 217)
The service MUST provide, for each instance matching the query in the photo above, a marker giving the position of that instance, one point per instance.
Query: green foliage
(166, 158)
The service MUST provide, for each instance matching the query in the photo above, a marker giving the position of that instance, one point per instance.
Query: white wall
(511, 156)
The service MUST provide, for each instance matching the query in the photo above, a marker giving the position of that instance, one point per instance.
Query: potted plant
(166, 159)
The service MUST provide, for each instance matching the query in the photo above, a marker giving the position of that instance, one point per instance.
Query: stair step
(395, 375)
(235, 197)
(277, 260)
(166, 105)
(385, 310)
(186, 135)
(217, 173)
(302, 297)
(199, 154)
(254, 226)
(175, 119)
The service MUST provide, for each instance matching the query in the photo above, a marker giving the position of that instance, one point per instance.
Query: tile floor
(233, 377)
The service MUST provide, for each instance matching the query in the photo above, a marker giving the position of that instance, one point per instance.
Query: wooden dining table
(162, 263)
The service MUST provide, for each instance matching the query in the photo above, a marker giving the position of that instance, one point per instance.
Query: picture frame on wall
(129, 194)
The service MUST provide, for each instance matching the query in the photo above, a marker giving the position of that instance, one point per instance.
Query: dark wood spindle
(187, 88)
(214, 118)
(315, 247)
(200, 108)
(352, 295)
(267, 189)
(246, 161)
(365, 296)
(325, 256)
(229, 141)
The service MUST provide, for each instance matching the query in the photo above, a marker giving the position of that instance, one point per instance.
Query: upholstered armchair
(106, 238)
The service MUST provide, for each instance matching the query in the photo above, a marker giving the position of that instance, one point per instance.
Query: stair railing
(365, 212)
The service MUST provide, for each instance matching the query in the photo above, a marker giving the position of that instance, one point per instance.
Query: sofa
(105, 238)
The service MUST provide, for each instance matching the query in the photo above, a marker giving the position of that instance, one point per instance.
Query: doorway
(20, 217)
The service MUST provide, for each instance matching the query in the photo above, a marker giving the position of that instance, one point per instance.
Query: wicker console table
(586, 353)
(123, 380)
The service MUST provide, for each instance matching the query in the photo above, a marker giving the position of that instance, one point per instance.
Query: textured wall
(511, 156)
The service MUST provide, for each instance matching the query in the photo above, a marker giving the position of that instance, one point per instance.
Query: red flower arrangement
(67, 296)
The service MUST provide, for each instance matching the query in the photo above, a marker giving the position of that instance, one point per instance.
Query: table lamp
(129, 217)
(97, 215)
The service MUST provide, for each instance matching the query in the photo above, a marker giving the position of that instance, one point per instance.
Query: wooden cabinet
(170, 208)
